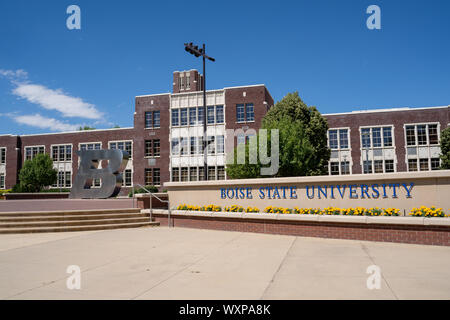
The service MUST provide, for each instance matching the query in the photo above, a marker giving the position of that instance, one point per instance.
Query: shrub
(152, 189)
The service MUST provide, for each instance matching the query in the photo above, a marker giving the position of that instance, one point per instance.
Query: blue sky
(54, 79)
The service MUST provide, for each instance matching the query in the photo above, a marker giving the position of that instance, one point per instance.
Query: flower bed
(358, 211)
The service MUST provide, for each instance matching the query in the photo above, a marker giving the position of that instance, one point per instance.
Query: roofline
(153, 95)
(249, 86)
(79, 131)
(385, 110)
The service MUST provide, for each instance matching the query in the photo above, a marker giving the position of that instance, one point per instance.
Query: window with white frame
(2, 155)
(183, 116)
(32, 151)
(377, 149)
(122, 145)
(61, 153)
(2, 181)
(64, 180)
(338, 142)
(192, 116)
(245, 112)
(422, 146)
(127, 178)
(90, 146)
(219, 114)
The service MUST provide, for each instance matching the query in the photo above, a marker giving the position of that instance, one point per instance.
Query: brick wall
(429, 235)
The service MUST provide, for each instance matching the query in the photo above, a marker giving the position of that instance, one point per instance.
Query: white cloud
(57, 100)
(41, 122)
(50, 99)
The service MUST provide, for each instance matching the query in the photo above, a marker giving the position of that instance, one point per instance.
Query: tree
(303, 141)
(445, 149)
(37, 173)
(86, 128)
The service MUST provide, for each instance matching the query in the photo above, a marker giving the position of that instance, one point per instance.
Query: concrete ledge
(419, 221)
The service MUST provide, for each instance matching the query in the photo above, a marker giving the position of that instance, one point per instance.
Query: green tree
(86, 128)
(303, 141)
(37, 173)
(445, 149)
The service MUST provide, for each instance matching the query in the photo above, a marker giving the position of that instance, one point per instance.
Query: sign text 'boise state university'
(343, 191)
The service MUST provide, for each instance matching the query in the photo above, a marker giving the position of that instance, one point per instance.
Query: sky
(56, 79)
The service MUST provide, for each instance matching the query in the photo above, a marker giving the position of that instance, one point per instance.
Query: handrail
(153, 195)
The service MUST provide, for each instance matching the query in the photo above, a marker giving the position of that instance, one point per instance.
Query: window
(365, 137)
(175, 146)
(220, 173)
(156, 176)
(422, 135)
(240, 114)
(376, 137)
(433, 134)
(2, 155)
(423, 164)
(211, 173)
(240, 139)
(193, 173)
(334, 168)
(343, 138)
(345, 167)
(148, 177)
(210, 118)
(152, 177)
(90, 146)
(184, 146)
(181, 82)
(62, 153)
(64, 180)
(412, 164)
(333, 139)
(2, 181)
(211, 145)
(156, 148)
(367, 165)
(152, 119)
(245, 112)
(250, 112)
(175, 117)
(175, 174)
(193, 145)
(148, 148)
(378, 166)
(200, 112)
(435, 163)
(184, 174)
(127, 178)
(148, 119)
(422, 138)
(410, 135)
(220, 144)
(219, 114)
(192, 116)
(201, 173)
(387, 136)
(200, 145)
(122, 145)
(188, 81)
(31, 152)
(156, 119)
(184, 117)
(389, 166)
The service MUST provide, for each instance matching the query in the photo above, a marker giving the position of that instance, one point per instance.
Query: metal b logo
(111, 176)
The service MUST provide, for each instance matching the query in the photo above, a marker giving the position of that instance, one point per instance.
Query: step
(22, 225)
(72, 217)
(68, 212)
(78, 228)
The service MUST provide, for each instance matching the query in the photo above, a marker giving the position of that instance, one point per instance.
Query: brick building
(168, 130)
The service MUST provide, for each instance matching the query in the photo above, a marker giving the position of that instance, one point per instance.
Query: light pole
(189, 47)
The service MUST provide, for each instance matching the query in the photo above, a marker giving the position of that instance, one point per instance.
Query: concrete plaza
(179, 263)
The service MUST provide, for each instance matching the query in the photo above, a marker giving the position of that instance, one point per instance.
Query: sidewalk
(178, 263)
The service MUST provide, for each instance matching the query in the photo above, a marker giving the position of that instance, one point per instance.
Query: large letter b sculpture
(111, 176)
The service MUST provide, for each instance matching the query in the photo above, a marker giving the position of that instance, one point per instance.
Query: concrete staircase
(73, 220)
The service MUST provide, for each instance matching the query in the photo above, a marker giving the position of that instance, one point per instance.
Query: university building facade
(165, 142)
